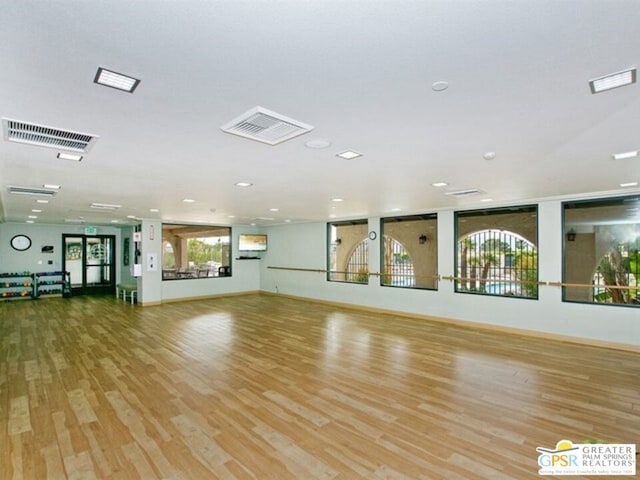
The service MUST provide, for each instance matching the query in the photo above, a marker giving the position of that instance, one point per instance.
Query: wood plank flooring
(263, 387)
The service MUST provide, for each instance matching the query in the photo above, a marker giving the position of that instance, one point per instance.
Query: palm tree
(526, 262)
(488, 259)
(492, 250)
(465, 245)
(526, 267)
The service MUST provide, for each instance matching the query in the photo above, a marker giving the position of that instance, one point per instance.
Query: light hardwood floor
(263, 387)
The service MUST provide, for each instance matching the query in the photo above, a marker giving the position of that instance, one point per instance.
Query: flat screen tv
(252, 242)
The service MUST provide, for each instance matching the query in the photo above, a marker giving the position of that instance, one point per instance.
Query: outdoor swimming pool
(503, 288)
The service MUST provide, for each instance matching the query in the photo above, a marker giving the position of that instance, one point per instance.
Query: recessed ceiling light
(396, 209)
(105, 206)
(51, 186)
(337, 200)
(487, 200)
(439, 86)
(131, 216)
(154, 210)
(32, 191)
(69, 156)
(243, 184)
(439, 184)
(489, 155)
(349, 155)
(333, 215)
(287, 220)
(114, 221)
(613, 80)
(625, 155)
(464, 192)
(274, 209)
(629, 184)
(42, 201)
(318, 143)
(32, 216)
(188, 200)
(231, 216)
(116, 80)
(36, 210)
(30, 221)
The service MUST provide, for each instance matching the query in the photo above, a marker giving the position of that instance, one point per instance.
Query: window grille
(496, 262)
(347, 251)
(357, 270)
(398, 266)
(496, 252)
(409, 251)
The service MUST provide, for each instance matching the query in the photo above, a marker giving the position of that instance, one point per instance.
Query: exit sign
(90, 230)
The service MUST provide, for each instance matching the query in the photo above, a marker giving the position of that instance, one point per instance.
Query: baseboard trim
(469, 324)
(209, 297)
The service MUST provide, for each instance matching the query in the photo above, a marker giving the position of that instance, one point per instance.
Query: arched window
(357, 270)
(347, 251)
(397, 270)
(409, 251)
(497, 262)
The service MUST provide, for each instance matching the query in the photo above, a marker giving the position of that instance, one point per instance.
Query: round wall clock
(21, 243)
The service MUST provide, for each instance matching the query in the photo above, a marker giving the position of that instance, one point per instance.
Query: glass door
(90, 261)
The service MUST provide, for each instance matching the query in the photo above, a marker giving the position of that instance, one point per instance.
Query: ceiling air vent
(266, 126)
(32, 191)
(41, 136)
(464, 193)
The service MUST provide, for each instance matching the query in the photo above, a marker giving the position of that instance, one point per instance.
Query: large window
(348, 252)
(191, 251)
(601, 245)
(409, 255)
(496, 252)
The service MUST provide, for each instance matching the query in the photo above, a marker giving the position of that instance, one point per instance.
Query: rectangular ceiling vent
(464, 193)
(32, 191)
(266, 126)
(41, 136)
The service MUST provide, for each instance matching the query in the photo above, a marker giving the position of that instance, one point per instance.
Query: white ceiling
(360, 72)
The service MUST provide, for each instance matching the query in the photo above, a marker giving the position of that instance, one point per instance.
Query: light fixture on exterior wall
(571, 235)
(422, 239)
(338, 241)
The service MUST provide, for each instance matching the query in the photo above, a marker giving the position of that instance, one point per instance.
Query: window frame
(191, 276)
(406, 218)
(601, 201)
(461, 214)
(329, 245)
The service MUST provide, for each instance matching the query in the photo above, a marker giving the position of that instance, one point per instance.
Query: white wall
(245, 274)
(33, 260)
(303, 246)
(151, 289)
